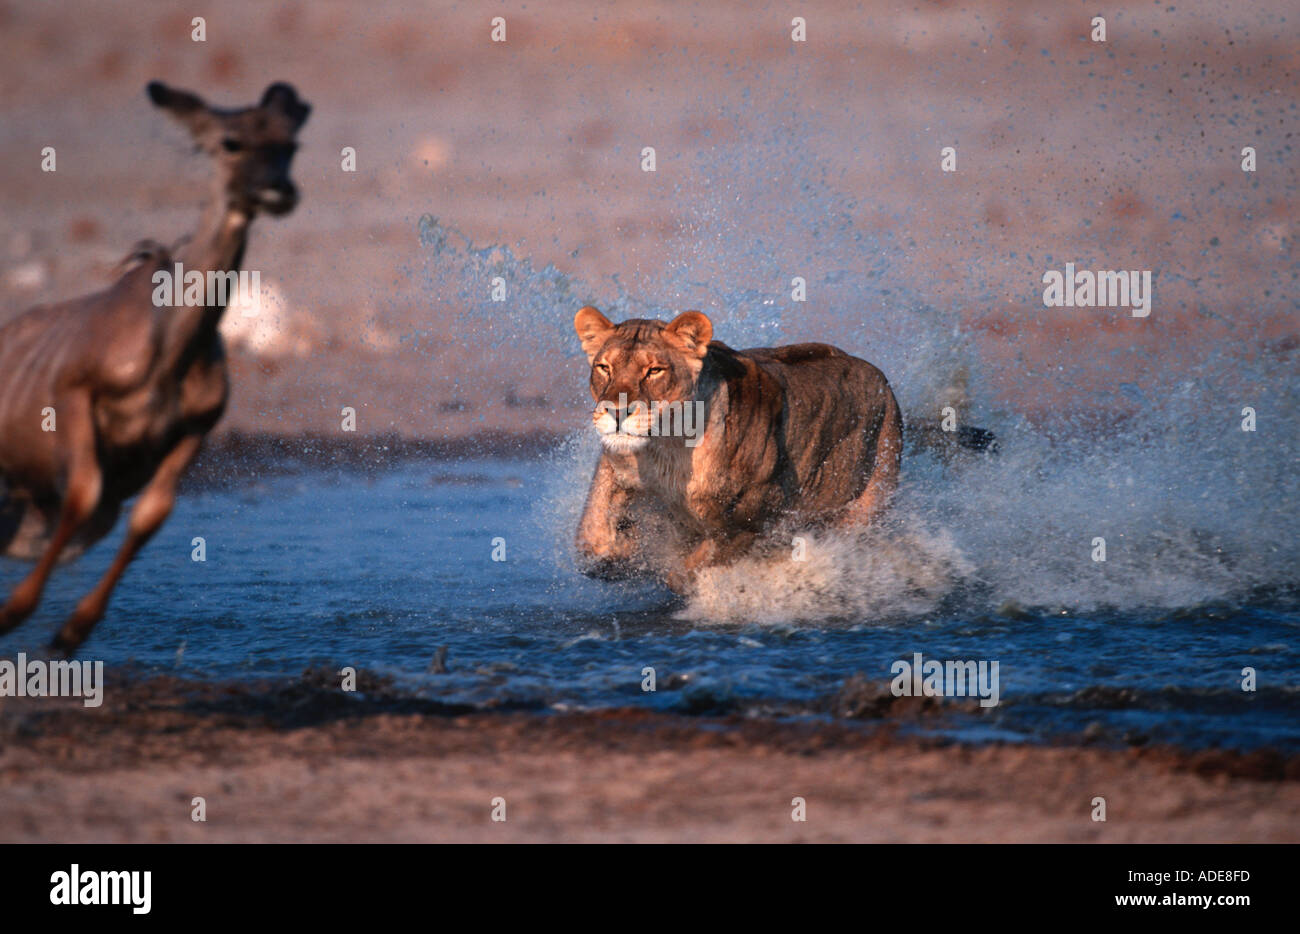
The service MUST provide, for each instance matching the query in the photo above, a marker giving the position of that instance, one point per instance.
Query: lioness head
(641, 370)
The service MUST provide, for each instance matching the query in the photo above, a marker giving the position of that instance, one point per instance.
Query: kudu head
(251, 146)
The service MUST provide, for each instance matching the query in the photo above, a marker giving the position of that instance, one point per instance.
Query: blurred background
(775, 159)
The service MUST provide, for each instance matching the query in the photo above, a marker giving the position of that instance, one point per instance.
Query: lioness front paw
(607, 569)
(605, 563)
(680, 582)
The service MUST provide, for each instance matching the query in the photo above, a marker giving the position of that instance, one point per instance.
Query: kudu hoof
(65, 645)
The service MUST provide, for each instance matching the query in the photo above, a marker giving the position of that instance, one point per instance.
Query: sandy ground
(297, 761)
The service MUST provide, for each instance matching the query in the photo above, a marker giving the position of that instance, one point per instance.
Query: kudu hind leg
(83, 486)
(151, 509)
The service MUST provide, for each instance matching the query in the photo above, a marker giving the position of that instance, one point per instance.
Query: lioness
(722, 443)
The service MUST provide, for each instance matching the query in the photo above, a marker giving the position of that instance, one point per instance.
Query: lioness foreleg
(605, 540)
(711, 552)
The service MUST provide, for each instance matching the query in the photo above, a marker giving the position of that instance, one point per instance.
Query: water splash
(1191, 508)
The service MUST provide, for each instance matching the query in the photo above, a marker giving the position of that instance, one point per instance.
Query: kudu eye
(231, 145)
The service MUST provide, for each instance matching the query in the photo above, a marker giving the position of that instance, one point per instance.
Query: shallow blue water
(379, 572)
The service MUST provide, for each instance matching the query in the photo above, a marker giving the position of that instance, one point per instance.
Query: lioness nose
(620, 413)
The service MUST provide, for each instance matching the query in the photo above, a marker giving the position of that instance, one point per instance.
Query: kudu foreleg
(82, 487)
(151, 509)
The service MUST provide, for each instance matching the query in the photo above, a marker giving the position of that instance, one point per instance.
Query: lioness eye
(602, 367)
(654, 371)
(231, 145)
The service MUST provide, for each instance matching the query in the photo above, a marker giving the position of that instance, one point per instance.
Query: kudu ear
(691, 330)
(283, 98)
(188, 108)
(593, 330)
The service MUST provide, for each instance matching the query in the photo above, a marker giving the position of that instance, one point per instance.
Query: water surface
(379, 572)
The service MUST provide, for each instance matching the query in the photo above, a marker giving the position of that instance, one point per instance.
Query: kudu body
(134, 386)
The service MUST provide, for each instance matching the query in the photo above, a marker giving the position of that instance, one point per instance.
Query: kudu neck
(216, 246)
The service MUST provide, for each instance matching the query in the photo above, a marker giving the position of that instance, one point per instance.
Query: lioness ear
(693, 330)
(593, 330)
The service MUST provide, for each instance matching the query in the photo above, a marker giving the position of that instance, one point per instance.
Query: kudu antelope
(133, 386)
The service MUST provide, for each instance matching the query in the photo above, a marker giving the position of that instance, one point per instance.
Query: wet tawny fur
(805, 432)
(133, 387)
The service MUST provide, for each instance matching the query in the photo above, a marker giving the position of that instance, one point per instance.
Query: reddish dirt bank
(298, 762)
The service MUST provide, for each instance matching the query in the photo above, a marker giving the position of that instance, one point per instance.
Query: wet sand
(301, 761)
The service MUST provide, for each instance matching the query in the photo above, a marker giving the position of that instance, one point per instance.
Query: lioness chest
(667, 475)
